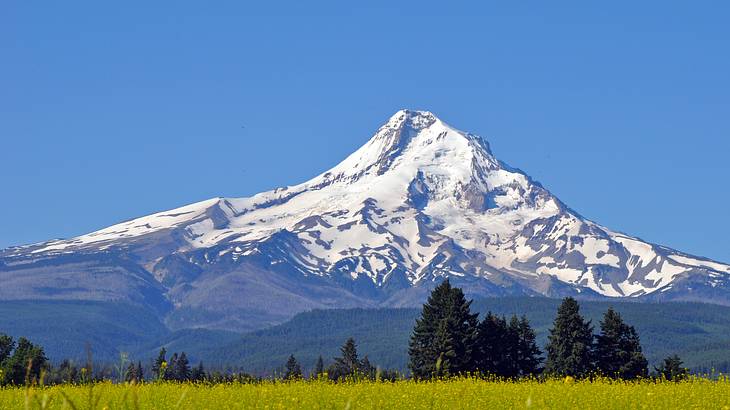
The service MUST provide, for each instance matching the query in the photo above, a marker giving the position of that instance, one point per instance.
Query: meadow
(463, 393)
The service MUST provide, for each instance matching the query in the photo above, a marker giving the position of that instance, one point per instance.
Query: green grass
(453, 394)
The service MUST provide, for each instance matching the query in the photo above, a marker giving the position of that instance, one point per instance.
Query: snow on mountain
(419, 201)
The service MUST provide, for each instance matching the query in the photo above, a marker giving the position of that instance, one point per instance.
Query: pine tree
(511, 364)
(318, 367)
(171, 371)
(618, 349)
(131, 373)
(198, 373)
(157, 367)
(139, 372)
(570, 343)
(672, 369)
(182, 368)
(6, 347)
(493, 344)
(528, 354)
(293, 370)
(445, 337)
(443, 344)
(367, 369)
(347, 364)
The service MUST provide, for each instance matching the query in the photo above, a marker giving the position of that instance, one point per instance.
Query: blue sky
(114, 110)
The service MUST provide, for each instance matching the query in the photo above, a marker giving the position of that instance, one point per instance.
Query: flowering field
(461, 393)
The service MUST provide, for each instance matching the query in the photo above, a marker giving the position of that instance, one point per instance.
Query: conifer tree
(347, 364)
(570, 343)
(6, 347)
(293, 370)
(182, 368)
(157, 367)
(139, 372)
(198, 373)
(445, 336)
(618, 349)
(131, 373)
(367, 369)
(528, 355)
(672, 369)
(318, 367)
(443, 344)
(491, 355)
(171, 371)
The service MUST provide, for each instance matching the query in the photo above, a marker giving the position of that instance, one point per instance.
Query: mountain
(419, 202)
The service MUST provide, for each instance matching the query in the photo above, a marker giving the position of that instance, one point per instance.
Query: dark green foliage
(367, 369)
(699, 333)
(318, 367)
(672, 369)
(157, 367)
(347, 364)
(570, 343)
(495, 343)
(182, 368)
(618, 349)
(292, 370)
(444, 338)
(66, 372)
(382, 333)
(130, 375)
(6, 347)
(198, 373)
(170, 371)
(134, 373)
(527, 355)
(25, 364)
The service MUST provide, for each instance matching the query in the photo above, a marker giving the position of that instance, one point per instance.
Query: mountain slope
(420, 201)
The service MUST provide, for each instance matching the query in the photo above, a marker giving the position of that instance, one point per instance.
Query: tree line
(448, 339)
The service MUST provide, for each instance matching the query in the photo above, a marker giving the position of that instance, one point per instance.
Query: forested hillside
(699, 333)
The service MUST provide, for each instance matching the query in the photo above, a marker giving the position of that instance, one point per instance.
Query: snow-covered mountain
(420, 201)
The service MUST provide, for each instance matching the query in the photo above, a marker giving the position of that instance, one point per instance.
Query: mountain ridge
(419, 202)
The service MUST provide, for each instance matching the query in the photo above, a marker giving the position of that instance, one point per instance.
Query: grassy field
(462, 393)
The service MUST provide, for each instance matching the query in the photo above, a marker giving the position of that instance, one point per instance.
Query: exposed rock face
(420, 201)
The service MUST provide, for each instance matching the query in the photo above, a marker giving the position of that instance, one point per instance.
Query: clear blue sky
(113, 111)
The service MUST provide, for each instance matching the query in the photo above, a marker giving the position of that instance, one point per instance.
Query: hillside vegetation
(699, 333)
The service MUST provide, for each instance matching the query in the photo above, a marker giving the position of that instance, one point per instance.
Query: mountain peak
(414, 119)
(419, 201)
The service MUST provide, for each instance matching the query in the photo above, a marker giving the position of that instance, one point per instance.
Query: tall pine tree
(171, 371)
(198, 374)
(292, 370)
(139, 372)
(570, 343)
(618, 349)
(347, 364)
(182, 368)
(158, 368)
(528, 355)
(318, 367)
(445, 337)
(491, 353)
